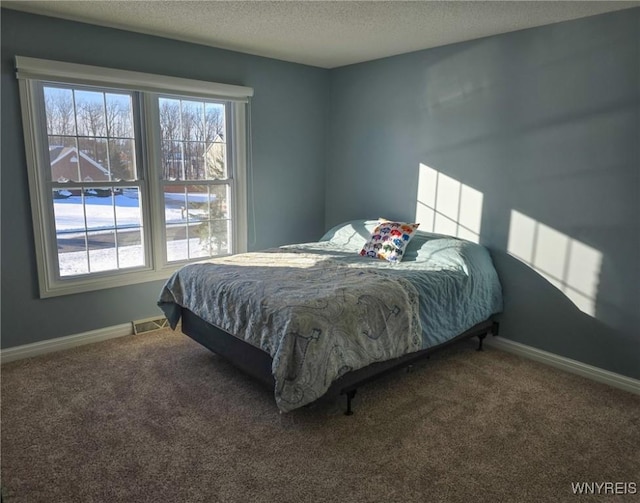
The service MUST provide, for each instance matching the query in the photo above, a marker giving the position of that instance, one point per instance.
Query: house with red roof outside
(67, 165)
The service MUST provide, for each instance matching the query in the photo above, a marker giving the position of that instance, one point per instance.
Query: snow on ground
(73, 263)
(103, 216)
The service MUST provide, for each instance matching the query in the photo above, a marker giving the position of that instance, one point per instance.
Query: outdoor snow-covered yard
(121, 211)
(106, 233)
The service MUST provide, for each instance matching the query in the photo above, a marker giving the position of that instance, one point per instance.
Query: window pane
(215, 122)
(200, 242)
(129, 228)
(90, 115)
(99, 208)
(194, 160)
(70, 232)
(212, 232)
(122, 160)
(59, 111)
(68, 210)
(172, 165)
(170, 119)
(72, 253)
(177, 248)
(119, 112)
(193, 120)
(199, 202)
(220, 202)
(94, 166)
(128, 209)
(220, 243)
(216, 161)
(63, 156)
(102, 251)
(130, 249)
(175, 204)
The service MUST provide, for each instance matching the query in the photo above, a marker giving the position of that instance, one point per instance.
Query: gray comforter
(315, 316)
(321, 310)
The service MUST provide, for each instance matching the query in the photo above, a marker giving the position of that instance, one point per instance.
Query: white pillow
(389, 240)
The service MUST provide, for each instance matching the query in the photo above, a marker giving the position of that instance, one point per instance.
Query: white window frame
(31, 73)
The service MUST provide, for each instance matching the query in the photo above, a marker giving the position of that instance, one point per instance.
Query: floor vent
(149, 325)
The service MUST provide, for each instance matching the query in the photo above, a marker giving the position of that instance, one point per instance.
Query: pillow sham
(389, 240)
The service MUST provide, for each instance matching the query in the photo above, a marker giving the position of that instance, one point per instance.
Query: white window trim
(43, 69)
(30, 71)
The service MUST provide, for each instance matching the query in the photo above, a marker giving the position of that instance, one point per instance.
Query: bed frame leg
(480, 340)
(350, 395)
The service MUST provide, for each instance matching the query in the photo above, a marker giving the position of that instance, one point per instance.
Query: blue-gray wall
(289, 113)
(544, 122)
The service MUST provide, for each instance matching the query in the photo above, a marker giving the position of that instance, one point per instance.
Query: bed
(317, 319)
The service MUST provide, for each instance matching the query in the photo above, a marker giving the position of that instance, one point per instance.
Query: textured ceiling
(319, 33)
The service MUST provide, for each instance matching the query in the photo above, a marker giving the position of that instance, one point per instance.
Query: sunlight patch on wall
(446, 206)
(568, 264)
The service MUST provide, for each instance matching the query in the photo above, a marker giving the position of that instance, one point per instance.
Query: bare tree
(118, 117)
(170, 133)
(189, 130)
(119, 131)
(91, 119)
(59, 112)
(215, 123)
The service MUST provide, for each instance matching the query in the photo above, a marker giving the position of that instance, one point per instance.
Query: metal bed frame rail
(257, 363)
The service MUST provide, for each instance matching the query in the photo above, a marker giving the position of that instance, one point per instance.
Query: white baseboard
(68, 342)
(567, 364)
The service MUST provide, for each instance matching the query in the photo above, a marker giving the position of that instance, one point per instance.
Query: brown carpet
(158, 418)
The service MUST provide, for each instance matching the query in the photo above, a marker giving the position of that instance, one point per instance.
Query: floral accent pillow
(389, 240)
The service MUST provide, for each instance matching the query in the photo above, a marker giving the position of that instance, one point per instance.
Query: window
(131, 175)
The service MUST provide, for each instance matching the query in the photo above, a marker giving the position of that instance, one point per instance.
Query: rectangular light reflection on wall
(582, 275)
(570, 265)
(550, 253)
(469, 213)
(426, 200)
(446, 206)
